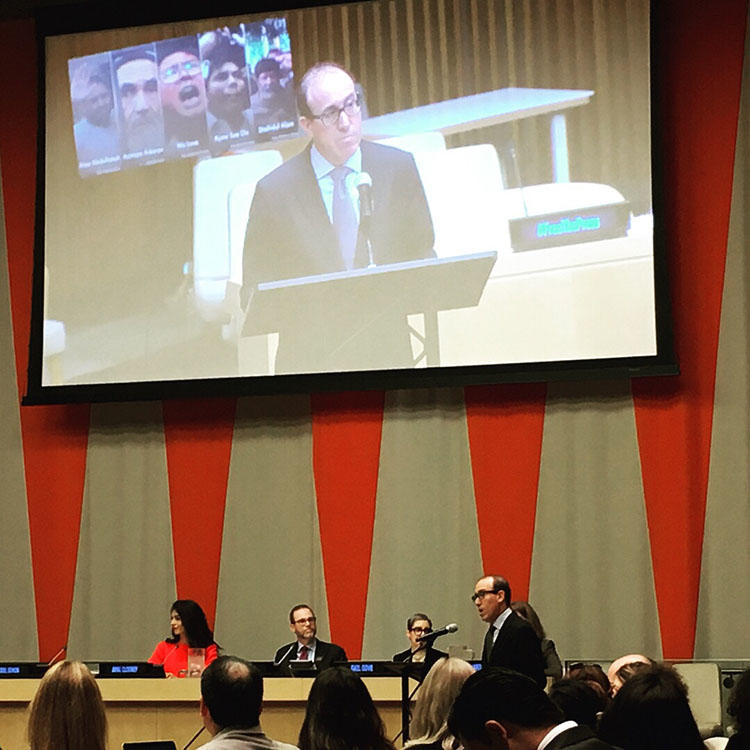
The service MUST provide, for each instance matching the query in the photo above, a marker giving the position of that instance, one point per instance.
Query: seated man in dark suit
(303, 623)
(307, 219)
(499, 709)
(510, 641)
(419, 652)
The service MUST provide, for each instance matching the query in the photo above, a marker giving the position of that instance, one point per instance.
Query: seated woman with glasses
(418, 625)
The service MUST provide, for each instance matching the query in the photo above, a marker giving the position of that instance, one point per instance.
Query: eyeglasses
(421, 631)
(305, 621)
(172, 73)
(330, 116)
(481, 594)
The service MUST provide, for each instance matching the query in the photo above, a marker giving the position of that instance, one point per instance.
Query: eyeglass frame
(482, 593)
(329, 111)
(180, 68)
(306, 620)
(424, 631)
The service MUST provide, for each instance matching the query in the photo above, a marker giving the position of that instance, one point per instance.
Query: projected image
(191, 96)
(377, 208)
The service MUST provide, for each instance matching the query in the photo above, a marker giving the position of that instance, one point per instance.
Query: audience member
(231, 701)
(419, 651)
(510, 640)
(552, 663)
(340, 715)
(306, 647)
(272, 104)
(651, 712)
(67, 712)
(189, 630)
(429, 725)
(739, 710)
(593, 675)
(499, 709)
(578, 701)
(623, 668)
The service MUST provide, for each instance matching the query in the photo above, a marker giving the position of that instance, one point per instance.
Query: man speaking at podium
(305, 221)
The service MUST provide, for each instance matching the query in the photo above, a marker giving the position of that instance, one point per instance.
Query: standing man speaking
(510, 641)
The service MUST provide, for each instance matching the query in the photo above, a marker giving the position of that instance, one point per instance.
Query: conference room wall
(590, 497)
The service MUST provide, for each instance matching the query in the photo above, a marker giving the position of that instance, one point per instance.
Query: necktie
(489, 642)
(303, 653)
(344, 217)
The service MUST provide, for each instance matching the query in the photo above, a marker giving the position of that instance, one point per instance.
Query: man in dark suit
(306, 219)
(303, 623)
(510, 641)
(422, 652)
(499, 709)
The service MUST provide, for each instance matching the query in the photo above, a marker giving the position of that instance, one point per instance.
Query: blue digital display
(10, 670)
(125, 669)
(362, 667)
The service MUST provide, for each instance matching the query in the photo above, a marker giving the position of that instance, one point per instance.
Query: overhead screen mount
(139, 277)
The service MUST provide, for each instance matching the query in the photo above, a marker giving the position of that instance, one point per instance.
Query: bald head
(614, 680)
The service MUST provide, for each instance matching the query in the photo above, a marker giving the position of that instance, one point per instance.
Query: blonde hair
(67, 712)
(434, 701)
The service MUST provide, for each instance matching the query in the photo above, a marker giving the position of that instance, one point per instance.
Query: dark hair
(187, 44)
(197, 632)
(232, 690)
(133, 53)
(626, 671)
(651, 712)
(415, 618)
(310, 75)
(500, 584)
(528, 613)
(593, 675)
(267, 65)
(225, 51)
(500, 694)
(578, 701)
(340, 715)
(739, 702)
(297, 607)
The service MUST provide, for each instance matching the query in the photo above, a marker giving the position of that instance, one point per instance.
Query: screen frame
(84, 17)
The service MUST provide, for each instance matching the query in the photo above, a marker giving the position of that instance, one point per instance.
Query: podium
(356, 320)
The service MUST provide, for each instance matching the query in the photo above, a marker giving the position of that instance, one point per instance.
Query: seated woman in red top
(189, 630)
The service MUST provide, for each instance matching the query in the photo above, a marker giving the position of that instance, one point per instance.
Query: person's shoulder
(290, 169)
(401, 655)
(578, 737)
(382, 152)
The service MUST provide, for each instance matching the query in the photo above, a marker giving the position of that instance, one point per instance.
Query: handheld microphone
(451, 628)
(363, 183)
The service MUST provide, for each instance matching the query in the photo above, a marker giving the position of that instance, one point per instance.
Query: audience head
(188, 623)
(651, 712)
(500, 708)
(617, 674)
(739, 703)
(436, 695)
(340, 715)
(593, 675)
(528, 613)
(231, 694)
(67, 712)
(578, 701)
(491, 597)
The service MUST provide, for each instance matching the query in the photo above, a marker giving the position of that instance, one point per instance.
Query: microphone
(58, 654)
(276, 662)
(451, 628)
(363, 183)
(194, 738)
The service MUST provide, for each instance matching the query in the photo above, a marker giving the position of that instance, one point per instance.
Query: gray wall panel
(18, 617)
(125, 579)
(591, 576)
(271, 555)
(724, 603)
(426, 554)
